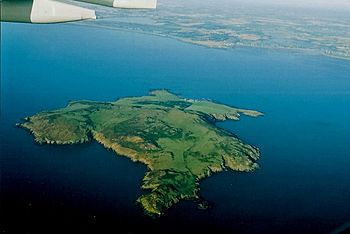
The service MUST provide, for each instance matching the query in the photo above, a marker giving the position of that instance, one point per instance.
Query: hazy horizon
(311, 3)
(325, 4)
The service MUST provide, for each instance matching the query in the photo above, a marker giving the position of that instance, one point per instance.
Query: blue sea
(302, 185)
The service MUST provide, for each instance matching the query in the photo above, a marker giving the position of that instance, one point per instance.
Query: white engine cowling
(48, 11)
(132, 4)
(42, 11)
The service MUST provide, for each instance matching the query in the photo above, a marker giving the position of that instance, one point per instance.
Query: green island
(176, 138)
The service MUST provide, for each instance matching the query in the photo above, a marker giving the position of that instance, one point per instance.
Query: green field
(175, 137)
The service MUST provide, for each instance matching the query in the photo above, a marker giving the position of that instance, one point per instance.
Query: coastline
(304, 51)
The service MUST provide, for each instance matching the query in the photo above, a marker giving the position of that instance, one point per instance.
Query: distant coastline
(305, 51)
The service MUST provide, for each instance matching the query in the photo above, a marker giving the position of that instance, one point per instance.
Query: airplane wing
(52, 11)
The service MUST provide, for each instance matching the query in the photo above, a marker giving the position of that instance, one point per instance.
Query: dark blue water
(303, 183)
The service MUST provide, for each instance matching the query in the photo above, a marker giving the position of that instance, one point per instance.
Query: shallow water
(303, 183)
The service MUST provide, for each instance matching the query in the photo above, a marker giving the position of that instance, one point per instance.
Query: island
(176, 138)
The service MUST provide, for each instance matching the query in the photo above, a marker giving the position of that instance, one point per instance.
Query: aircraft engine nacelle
(131, 4)
(42, 11)
(142, 4)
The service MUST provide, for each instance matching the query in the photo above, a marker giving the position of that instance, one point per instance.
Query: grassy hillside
(175, 137)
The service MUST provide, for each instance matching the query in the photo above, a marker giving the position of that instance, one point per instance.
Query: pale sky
(308, 3)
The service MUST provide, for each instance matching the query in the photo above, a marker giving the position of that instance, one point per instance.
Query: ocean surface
(302, 186)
